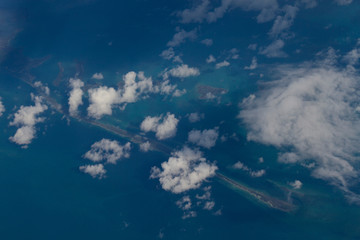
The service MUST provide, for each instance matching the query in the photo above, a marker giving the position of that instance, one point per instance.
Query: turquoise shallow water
(43, 195)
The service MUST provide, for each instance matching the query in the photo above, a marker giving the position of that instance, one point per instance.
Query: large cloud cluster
(310, 113)
(26, 118)
(164, 126)
(185, 169)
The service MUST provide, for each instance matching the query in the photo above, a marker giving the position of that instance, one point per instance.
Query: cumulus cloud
(283, 23)
(195, 117)
(96, 171)
(42, 87)
(252, 173)
(206, 138)
(185, 169)
(164, 127)
(253, 64)
(274, 50)
(145, 146)
(97, 76)
(181, 36)
(309, 3)
(309, 113)
(2, 108)
(135, 87)
(210, 59)
(222, 64)
(205, 12)
(75, 96)
(26, 118)
(181, 71)
(207, 42)
(109, 151)
(297, 184)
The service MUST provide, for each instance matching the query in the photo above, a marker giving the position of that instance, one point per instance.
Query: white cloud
(297, 184)
(252, 46)
(343, 2)
(310, 113)
(2, 108)
(210, 59)
(195, 117)
(109, 151)
(165, 129)
(274, 50)
(26, 118)
(181, 36)
(283, 23)
(309, 3)
(136, 86)
(185, 169)
(206, 138)
(252, 173)
(96, 171)
(42, 87)
(75, 97)
(222, 64)
(145, 146)
(185, 204)
(208, 42)
(204, 11)
(181, 71)
(97, 76)
(253, 64)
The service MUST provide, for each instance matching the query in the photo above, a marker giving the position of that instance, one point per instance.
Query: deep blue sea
(43, 195)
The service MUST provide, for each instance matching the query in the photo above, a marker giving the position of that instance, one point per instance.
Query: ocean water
(45, 196)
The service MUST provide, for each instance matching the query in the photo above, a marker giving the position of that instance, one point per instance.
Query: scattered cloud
(297, 184)
(253, 64)
(164, 127)
(283, 23)
(206, 138)
(309, 3)
(181, 71)
(222, 64)
(26, 118)
(186, 169)
(97, 76)
(145, 146)
(195, 117)
(42, 87)
(343, 2)
(207, 42)
(274, 50)
(210, 59)
(96, 171)
(109, 151)
(2, 108)
(185, 204)
(181, 36)
(75, 97)
(252, 173)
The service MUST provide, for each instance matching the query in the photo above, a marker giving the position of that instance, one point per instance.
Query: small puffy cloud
(297, 184)
(210, 59)
(97, 76)
(109, 151)
(309, 3)
(75, 96)
(96, 171)
(26, 118)
(185, 204)
(222, 64)
(181, 36)
(283, 23)
(102, 100)
(274, 50)
(185, 169)
(253, 64)
(164, 127)
(207, 42)
(206, 138)
(195, 117)
(182, 71)
(169, 54)
(145, 146)
(42, 87)
(252, 173)
(2, 108)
